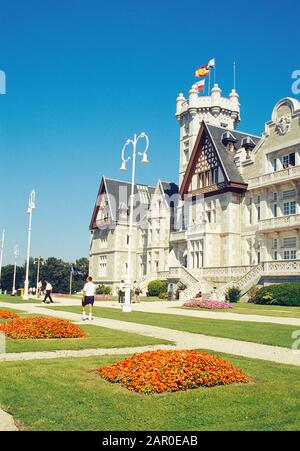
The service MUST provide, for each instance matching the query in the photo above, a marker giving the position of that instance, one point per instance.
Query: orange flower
(169, 371)
(6, 314)
(39, 327)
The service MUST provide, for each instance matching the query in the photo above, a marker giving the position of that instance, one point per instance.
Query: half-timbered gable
(212, 167)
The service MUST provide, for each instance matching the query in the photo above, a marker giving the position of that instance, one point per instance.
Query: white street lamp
(127, 304)
(31, 207)
(16, 254)
(1, 256)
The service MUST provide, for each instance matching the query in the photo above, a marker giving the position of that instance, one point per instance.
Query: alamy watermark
(296, 83)
(2, 82)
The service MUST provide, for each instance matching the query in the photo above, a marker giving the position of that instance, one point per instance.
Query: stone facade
(235, 209)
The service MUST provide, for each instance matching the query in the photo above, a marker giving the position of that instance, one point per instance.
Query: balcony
(272, 178)
(281, 223)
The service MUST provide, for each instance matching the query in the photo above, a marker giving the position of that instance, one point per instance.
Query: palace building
(233, 218)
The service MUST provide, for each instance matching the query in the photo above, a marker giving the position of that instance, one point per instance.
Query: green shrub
(233, 294)
(156, 287)
(286, 294)
(252, 293)
(163, 295)
(103, 289)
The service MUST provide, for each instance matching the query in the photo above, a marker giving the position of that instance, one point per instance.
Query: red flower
(39, 327)
(169, 371)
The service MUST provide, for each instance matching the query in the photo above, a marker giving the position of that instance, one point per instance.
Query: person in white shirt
(48, 292)
(88, 298)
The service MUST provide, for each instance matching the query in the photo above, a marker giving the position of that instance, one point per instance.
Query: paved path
(169, 307)
(6, 422)
(183, 340)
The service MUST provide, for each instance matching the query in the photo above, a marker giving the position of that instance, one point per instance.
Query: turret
(214, 109)
(179, 102)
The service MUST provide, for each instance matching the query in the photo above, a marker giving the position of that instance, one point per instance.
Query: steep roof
(118, 193)
(170, 189)
(225, 155)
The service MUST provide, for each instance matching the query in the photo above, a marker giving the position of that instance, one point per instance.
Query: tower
(213, 109)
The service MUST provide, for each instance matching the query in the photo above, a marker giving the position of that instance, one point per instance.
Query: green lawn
(255, 309)
(113, 298)
(96, 337)
(270, 334)
(17, 300)
(67, 394)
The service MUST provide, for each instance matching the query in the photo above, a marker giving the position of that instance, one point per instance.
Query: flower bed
(103, 298)
(39, 327)
(5, 314)
(210, 304)
(170, 371)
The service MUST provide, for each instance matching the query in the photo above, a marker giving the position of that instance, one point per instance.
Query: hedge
(156, 287)
(286, 294)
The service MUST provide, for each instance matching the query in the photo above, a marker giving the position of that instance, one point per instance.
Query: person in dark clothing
(48, 292)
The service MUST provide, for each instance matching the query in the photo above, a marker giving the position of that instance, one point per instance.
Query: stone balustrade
(274, 177)
(280, 222)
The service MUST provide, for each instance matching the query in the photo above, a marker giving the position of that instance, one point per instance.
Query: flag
(202, 71)
(200, 85)
(211, 64)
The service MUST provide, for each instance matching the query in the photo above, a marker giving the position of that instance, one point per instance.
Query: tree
(81, 271)
(7, 277)
(57, 272)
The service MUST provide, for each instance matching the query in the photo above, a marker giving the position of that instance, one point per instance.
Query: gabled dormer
(212, 168)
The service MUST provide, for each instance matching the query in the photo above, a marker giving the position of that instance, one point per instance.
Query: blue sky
(84, 75)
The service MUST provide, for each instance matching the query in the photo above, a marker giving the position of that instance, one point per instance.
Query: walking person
(48, 292)
(121, 292)
(88, 299)
(136, 292)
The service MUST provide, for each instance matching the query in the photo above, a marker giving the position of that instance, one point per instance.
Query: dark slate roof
(226, 156)
(170, 189)
(119, 193)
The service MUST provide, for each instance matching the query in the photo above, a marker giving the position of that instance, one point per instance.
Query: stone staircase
(196, 283)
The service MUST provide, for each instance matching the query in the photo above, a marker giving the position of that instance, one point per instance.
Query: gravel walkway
(183, 340)
(6, 422)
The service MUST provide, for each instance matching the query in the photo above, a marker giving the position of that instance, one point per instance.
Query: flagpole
(209, 83)
(215, 72)
(234, 76)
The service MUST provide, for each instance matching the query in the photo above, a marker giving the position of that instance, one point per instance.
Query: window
(275, 197)
(275, 211)
(274, 164)
(158, 234)
(290, 255)
(201, 180)
(288, 194)
(289, 208)
(197, 254)
(250, 210)
(275, 255)
(288, 160)
(215, 175)
(290, 242)
(275, 243)
(102, 265)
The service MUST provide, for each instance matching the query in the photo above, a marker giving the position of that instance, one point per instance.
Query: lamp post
(1, 256)
(31, 207)
(127, 304)
(16, 255)
(39, 261)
